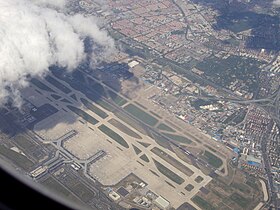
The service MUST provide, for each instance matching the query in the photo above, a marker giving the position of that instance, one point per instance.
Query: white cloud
(276, 2)
(55, 3)
(34, 36)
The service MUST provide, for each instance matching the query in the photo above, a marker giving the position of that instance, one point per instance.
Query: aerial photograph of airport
(143, 104)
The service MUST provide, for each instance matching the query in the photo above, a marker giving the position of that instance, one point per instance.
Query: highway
(272, 194)
(275, 115)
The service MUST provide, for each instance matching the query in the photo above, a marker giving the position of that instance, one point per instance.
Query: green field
(144, 144)
(136, 149)
(241, 187)
(202, 203)
(156, 115)
(16, 158)
(41, 85)
(94, 108)
(240, 200)
(165, 127)
(141, 115)
(105, 105)
(213, 160)
(24, 143)
(189, 187)
(133, 123)
(113, 135)
(168, 173)
(82, 191)
(145, 158)
(172, 161)
(180, 139)
(97, 87)
(57, 84)
(54, 185)
(240, 20)
(58, 188)
(7, 126)
(239, 26)
(83, 114)
(210, 148)
(140, 105)
(30, 147)
(120, 101)
(198, 179)
(56, 97)
(173, 125)
(225, 71)
(124, 128)
(66, 101)
(74, 97)
(161, 140)
(251, 181)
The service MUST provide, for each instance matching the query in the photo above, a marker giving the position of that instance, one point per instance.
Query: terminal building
(161, 203)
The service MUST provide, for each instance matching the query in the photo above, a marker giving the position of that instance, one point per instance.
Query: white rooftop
(133, 63)
(161, 202)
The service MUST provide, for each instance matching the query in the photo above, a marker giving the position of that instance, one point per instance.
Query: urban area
(184, 115)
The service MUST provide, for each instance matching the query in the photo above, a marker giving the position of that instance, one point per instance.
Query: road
(272, 194)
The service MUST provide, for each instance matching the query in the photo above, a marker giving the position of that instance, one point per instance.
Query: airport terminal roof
(161, 202)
